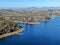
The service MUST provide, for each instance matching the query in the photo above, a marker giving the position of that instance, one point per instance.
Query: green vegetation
(8, 18)
(26, 16)
(7, 26)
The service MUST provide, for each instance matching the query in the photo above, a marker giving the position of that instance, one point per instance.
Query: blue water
(45, 33)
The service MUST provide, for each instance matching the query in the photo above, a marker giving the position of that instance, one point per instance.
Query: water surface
(45, 33)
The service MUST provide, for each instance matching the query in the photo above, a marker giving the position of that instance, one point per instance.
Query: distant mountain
(36, 8)
(30, 9)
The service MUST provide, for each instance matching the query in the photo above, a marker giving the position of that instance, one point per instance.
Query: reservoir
(45, 33)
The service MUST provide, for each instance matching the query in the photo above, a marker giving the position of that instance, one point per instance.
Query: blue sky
(29, 3)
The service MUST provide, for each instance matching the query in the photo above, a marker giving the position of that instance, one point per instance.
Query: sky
(29, 3)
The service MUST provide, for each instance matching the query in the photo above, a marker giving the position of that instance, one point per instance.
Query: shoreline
(11, 33)
(33, 22)
(37, 21)
(47, 20)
